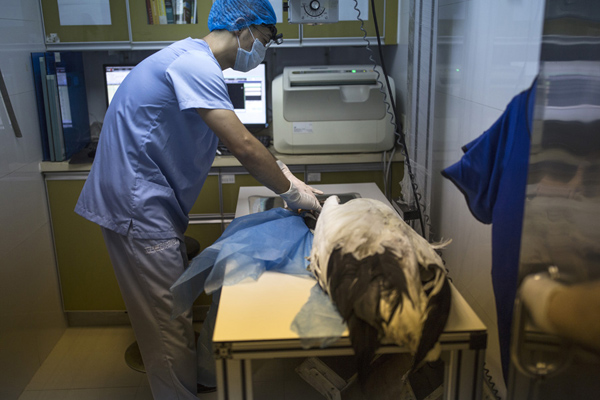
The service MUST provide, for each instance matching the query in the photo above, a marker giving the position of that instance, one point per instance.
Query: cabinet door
(206, 234)
(116, 31)
(387, 18)
(231, 187)
(143, 31)
(208, 200)
(87, 280)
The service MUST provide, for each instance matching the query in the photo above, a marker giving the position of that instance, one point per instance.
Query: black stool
(133, 357)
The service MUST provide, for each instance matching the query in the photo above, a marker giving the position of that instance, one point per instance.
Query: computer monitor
(248, 93)
(113, 76)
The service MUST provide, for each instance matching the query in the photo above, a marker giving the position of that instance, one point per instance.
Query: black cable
(490, 382)
(399, 132)
(386, 163)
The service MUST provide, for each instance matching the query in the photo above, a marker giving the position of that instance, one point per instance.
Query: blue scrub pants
(145, 270)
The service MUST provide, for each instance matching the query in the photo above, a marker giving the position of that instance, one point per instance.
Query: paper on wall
(84, 12)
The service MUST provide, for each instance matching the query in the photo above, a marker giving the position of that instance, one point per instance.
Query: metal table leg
(463, 375)
(234, 379)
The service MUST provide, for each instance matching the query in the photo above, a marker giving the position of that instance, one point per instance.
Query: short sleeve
(479, 172)
(197, 81)
(477, 175)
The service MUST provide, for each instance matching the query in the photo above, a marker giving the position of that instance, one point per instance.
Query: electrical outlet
(227, 178)
(313, 177)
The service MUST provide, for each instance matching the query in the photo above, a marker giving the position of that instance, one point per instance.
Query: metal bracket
(52, 38)
(223, 351)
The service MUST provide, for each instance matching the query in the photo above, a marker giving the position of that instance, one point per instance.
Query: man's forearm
(261, 164)
(253, 155)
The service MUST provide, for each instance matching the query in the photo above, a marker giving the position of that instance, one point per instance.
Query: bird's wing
(322, 246)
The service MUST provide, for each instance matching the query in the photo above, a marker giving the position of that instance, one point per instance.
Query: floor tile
(86, 358)
(82, 394)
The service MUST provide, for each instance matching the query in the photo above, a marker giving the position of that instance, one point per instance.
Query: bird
(388, 283)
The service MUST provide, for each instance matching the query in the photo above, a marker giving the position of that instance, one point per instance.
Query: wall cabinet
(142, 31)
(130, 29)
(86, 276)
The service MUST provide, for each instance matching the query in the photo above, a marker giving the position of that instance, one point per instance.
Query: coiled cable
(401, 138)
(490, 383)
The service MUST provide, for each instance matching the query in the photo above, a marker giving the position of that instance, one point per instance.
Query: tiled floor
(88, 364)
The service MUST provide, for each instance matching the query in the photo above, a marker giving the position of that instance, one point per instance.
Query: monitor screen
(113, 76)
(248, 94)
(247, 91)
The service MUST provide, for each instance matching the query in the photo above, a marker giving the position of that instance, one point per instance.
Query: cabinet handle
(9, 109)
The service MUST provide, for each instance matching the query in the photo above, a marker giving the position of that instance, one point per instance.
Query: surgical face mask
(246, 60)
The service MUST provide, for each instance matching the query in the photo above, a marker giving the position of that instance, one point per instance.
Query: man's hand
(297, 199)
(302, 187)
(536, 292)
(307, 193)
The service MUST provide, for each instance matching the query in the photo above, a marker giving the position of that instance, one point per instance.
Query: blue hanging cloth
(273, 240)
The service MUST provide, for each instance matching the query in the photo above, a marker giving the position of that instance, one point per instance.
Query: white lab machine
(331, 109)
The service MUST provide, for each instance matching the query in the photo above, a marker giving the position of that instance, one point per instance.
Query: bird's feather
(369, 261)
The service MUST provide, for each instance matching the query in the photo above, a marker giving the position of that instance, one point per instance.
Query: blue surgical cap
(235, 15)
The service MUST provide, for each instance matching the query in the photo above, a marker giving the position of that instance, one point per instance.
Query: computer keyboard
(222, 150)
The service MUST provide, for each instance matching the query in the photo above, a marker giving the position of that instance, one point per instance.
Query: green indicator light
(353, 71)
(457, 70)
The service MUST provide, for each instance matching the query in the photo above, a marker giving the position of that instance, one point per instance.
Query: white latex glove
(296, 199)
(536, 291)
(302, 187)
(306, 193)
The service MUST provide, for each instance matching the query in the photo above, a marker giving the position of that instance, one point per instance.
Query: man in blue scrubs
(156, 148)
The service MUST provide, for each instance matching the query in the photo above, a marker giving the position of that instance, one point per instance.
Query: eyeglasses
(273, 38)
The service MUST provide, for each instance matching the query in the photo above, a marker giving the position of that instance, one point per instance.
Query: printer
(331, 109)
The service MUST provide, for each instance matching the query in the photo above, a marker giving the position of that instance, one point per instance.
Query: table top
(263, 310)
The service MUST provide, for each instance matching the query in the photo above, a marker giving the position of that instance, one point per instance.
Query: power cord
(490, 383)
(401, 137)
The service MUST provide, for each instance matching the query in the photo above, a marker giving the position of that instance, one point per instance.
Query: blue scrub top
(155, 151)
(492, 174)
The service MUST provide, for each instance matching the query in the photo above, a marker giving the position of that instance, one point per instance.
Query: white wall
(31, 318)
(487, 52)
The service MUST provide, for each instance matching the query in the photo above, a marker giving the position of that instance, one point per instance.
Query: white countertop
(231, 161)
